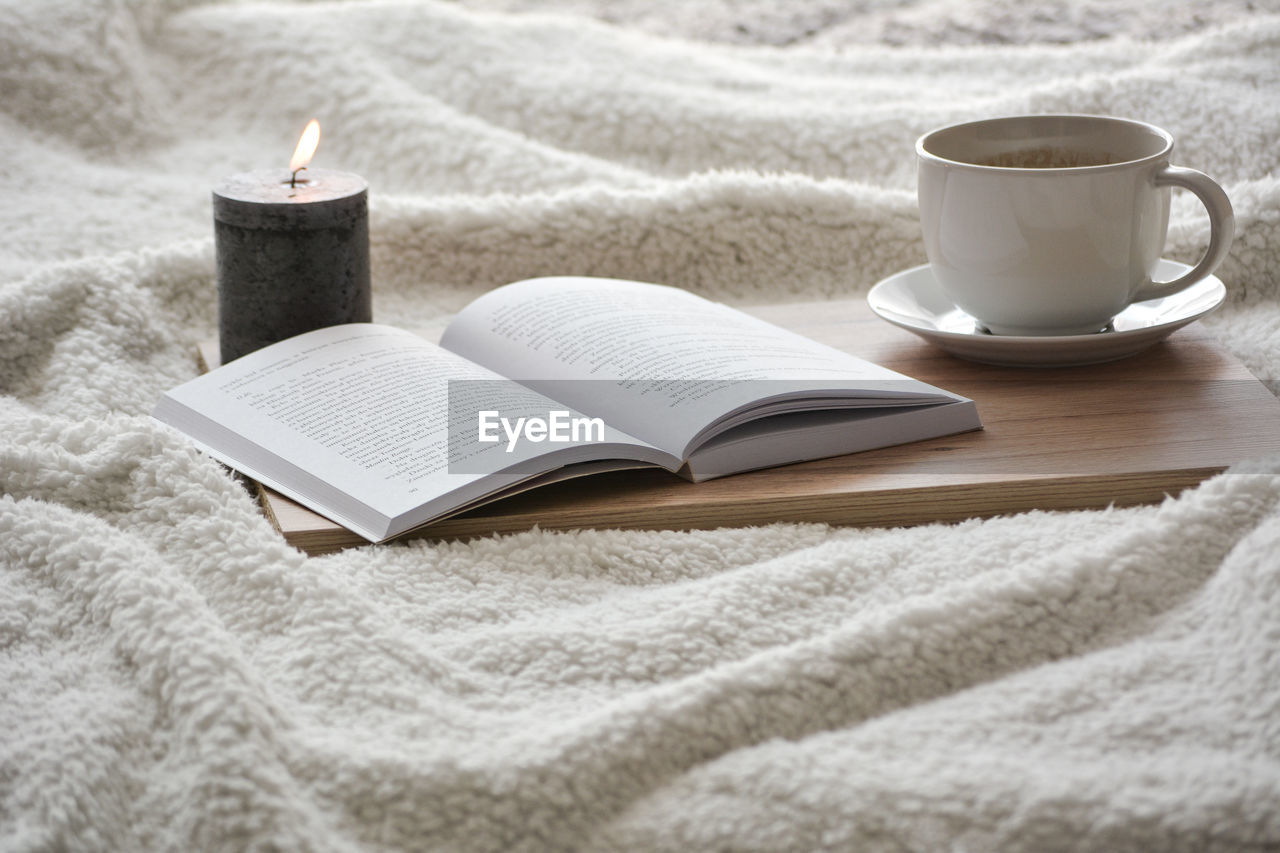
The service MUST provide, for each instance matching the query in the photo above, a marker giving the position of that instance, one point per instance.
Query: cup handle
(1222, 228)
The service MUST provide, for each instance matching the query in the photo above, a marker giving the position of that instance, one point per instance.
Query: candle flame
(306, 146)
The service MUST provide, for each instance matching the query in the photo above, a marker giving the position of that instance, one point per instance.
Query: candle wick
(293, 181)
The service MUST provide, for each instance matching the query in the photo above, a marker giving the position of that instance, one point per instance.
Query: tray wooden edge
(882, 508)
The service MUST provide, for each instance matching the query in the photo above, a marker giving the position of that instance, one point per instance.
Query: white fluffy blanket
(175, 678)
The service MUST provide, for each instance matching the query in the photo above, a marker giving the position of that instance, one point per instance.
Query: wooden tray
(1124, 433)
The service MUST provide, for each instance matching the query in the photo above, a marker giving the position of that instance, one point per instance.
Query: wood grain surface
(1124, 433)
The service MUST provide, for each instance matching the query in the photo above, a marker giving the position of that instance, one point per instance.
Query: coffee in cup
(1053, 224)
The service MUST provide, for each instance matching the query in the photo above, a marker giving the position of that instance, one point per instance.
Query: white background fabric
(176, 678)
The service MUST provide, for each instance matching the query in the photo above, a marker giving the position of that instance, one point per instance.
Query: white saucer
(913, 300)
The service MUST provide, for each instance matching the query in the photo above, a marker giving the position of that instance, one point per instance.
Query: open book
(535, 382)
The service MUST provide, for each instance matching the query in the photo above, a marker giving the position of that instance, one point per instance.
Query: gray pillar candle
(290, 258)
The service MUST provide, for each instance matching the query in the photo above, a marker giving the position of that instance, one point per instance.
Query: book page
(365, 409)
(659, 362)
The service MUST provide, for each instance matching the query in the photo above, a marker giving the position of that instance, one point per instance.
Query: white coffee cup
(1053, 224)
